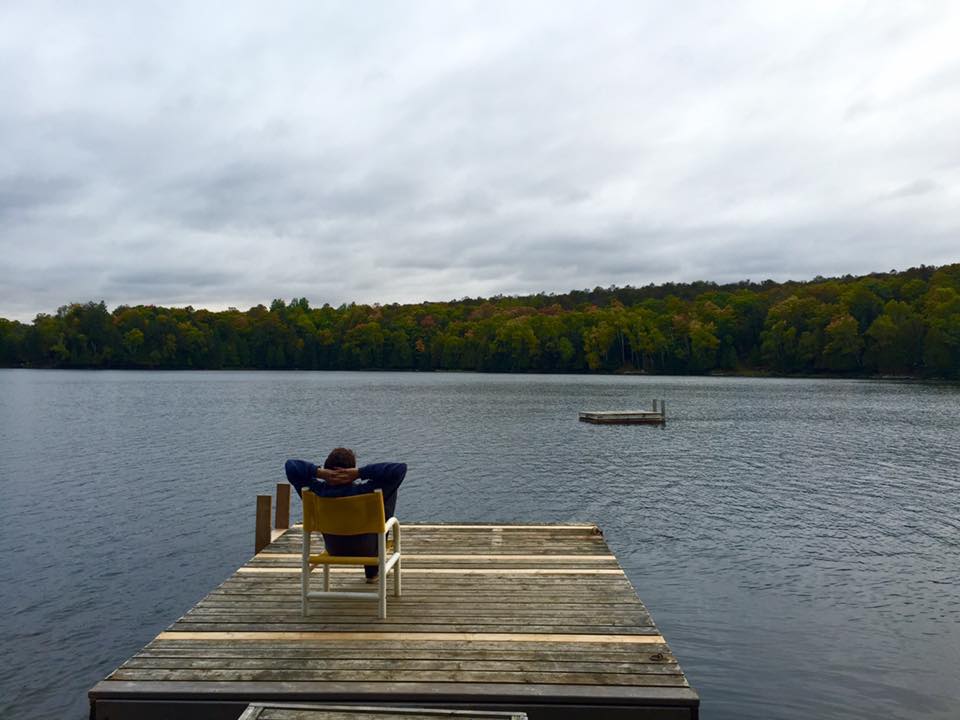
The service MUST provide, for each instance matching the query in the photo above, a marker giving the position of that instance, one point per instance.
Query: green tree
(843, 344)
(863, 304)
(703, 345)
(895, 340)
(792, 338)
(133, 345)
(515, 346)
(12, 336)
(363, 347)
(941, 353)
(597, 342)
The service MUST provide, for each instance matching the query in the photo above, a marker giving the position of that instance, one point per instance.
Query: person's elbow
(294, 470)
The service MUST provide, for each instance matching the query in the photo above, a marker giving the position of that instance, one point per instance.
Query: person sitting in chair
(340, 477)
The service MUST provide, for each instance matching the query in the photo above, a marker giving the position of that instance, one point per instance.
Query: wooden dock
(519, 618)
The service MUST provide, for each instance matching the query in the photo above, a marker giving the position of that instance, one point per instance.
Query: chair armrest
(395, 524)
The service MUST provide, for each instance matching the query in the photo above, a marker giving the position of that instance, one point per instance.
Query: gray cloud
(219, 155)
(28, 195)
(922, 186)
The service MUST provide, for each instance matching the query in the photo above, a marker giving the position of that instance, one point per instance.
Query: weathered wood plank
(426, 604)
(417, 595)
(541, 630)
(259, 711)
(343, 612)
(282, 653)
(322, 612)
(330, 612)
(537, 560)
(588, 528)
(459, 590)
(596, 587)
(336, 570)
(599, 696)
(399, 675)
(643, 636)
(406, 645)
(359, 613)
(382, 665)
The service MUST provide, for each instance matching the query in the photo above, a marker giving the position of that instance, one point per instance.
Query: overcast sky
(227, 154)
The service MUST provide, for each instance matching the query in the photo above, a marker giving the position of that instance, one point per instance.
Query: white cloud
(226, 155)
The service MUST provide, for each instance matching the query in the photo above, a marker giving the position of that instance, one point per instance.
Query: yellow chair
(351, 515)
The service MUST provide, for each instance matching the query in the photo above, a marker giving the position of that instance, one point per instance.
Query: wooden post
(663, 410)
(654, 405)
(283, 506)
(263, 522)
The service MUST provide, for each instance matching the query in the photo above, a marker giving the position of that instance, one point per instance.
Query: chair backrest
(351, 515)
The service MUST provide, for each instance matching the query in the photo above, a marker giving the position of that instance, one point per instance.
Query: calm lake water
(797, 541)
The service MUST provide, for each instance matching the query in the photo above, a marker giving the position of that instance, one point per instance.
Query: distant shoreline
(896, 325)
(748, 374)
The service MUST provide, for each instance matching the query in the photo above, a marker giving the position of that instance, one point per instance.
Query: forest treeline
(901, 323)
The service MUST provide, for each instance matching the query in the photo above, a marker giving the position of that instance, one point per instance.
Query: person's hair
(340, 458)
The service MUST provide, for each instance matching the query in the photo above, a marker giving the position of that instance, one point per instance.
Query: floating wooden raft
(523, 618)
(627, 417)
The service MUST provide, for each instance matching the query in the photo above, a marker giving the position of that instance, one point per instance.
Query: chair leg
(397, 537)
(326, 578)
(305, 574)
(382, 574)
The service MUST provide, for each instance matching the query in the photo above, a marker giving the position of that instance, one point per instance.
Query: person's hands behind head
(342, 476)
